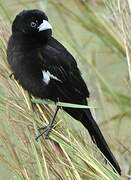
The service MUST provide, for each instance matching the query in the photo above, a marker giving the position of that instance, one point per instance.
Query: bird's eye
(33, 24)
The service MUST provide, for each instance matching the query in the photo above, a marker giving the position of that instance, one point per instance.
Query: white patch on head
(47, 76)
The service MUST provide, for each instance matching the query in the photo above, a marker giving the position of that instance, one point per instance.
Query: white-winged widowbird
(46, 69)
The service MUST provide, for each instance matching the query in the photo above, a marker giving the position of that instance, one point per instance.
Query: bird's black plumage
(47, 70)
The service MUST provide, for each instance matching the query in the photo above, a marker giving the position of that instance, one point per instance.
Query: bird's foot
(11, 76)
(45, 131)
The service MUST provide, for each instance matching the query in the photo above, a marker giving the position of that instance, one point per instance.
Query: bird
(47, 70)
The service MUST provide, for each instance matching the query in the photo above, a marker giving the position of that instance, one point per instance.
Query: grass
(98, 35)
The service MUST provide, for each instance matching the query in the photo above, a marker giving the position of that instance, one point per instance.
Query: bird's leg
(47, 129)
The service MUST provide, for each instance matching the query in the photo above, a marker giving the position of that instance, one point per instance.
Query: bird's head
(32, 23)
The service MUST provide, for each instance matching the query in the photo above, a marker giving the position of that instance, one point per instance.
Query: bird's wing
(63, 69)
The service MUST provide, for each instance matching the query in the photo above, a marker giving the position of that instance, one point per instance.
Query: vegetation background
(97, 32)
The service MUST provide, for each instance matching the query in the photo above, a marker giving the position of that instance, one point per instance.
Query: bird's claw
(11, 75)
(46, 130)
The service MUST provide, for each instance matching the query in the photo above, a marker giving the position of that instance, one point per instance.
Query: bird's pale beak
(44, 26)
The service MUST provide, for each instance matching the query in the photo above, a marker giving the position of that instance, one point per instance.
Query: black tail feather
(85, 117)
(96, 135)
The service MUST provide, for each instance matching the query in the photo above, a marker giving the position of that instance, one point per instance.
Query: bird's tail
(85, 117)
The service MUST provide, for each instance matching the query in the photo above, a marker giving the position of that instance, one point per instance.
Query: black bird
(47, 70)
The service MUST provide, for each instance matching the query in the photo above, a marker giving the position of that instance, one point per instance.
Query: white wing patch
(47, 76)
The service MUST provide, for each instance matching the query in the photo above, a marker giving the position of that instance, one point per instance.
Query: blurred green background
(97, 33)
